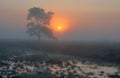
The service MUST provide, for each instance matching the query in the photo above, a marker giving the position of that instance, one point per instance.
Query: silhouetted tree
(38, 23)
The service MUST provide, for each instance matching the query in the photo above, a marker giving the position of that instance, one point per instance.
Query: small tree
(38, 23)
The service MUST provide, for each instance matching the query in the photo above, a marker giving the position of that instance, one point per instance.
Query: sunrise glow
(59, 28)
(59, 24)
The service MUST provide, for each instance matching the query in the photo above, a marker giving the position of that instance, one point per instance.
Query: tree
(38, 23)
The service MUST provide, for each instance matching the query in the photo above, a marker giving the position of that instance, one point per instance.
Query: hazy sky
(89, 19)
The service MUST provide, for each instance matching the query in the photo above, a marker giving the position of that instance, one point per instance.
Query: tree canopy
(39, 22)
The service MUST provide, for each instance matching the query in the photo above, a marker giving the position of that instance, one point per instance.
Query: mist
(90, 25)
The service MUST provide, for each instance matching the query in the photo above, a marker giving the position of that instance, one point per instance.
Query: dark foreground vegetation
(94, 50)
(54, 59)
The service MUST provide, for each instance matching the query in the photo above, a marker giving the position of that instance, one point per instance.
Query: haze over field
(59, 38)
(89, 20)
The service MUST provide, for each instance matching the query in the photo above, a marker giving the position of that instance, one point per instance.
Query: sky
(89, 20)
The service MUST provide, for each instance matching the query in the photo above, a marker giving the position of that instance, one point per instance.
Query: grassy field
(55, 59)
(94, 50)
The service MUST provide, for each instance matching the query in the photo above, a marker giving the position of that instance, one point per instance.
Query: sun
(59, 28)
(59, 24)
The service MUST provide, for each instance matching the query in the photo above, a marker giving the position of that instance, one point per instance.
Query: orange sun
(59, 24)
(59, 28)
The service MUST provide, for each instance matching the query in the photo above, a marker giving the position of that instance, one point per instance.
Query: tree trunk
(39, 37)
